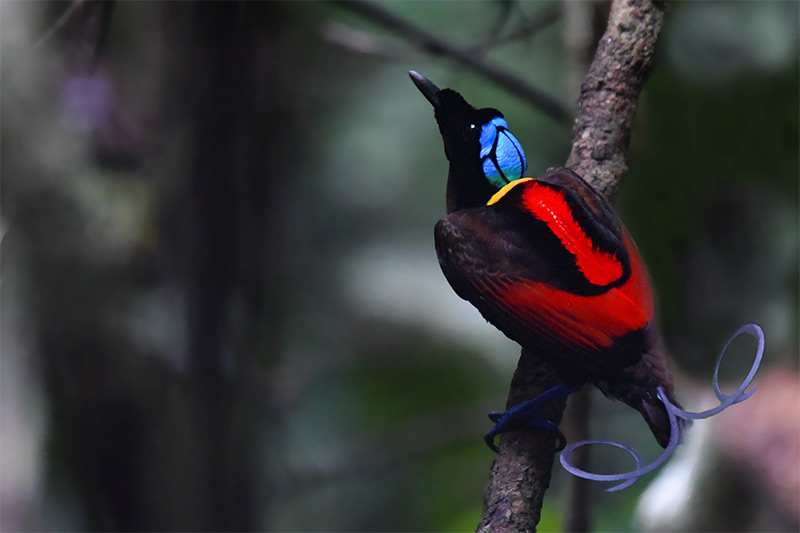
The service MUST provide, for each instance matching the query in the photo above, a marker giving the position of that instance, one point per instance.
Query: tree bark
(610, 94)
(609, 97)
(521, 473)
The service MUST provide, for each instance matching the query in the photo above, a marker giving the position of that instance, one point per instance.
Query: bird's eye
(472, 126)
(501, 153)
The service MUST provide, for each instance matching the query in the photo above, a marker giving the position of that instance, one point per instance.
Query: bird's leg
(522, 416)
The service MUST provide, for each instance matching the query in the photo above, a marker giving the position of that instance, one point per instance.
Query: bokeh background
(221, 307)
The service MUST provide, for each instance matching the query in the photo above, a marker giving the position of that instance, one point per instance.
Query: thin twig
(435, 46)
(370, 44)
(361, 42)
(64, 21)
(95, 16)
(541, 20)
(506, 6)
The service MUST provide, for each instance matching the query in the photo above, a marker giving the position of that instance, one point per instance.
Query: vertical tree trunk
(214, 60)
(226, 86)
(233, 242)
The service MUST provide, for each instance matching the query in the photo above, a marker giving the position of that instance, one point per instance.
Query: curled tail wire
(674, 413)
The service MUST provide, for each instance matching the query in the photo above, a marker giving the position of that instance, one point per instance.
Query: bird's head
(477, 142)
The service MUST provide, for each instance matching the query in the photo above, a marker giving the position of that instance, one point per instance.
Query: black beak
(426, 87)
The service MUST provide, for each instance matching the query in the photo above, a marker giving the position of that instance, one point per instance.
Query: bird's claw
(506, 421)
(521, 416)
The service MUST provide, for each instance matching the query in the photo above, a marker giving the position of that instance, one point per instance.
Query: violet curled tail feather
(674, 413)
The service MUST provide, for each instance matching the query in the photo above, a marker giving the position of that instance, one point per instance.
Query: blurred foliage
(345, 387)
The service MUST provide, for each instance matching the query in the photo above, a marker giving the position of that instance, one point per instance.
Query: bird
(546, 261)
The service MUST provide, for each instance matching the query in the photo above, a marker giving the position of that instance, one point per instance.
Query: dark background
(221, 307)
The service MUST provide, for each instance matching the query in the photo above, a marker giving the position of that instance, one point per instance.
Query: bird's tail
(638, 386)
(655, 414)
(651, 374)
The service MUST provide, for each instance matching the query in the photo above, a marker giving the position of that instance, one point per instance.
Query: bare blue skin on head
(501, 153)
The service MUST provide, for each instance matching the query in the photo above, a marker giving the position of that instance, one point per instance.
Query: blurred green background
(221, 307)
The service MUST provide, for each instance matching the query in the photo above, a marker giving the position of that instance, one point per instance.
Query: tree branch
(521, 473)
(610, 94)
(436, 46)
(362, 42)
(73, 12)
(89, 21)
(541, 20)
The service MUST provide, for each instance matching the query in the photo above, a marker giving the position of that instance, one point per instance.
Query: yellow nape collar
(507, 187)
